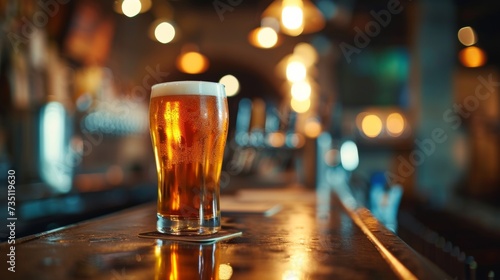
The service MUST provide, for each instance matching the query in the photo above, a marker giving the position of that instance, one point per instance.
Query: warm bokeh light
(263, 37)
(467, 36)
(276, 139)
(295, 16)
(307, 53)
(296, 71)
(267, 37)
(145, 5)
(231, 84)
(164, 32)
(371, 125)
(131, 8)
(395, 124)
(292, 16)
(312, 128)
(300, 106)
(192, 63)
(301, 90)
(472, 57)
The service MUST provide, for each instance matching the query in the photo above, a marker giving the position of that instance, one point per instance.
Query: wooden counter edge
(403, 259)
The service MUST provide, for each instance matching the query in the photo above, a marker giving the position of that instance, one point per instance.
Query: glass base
(174, 225)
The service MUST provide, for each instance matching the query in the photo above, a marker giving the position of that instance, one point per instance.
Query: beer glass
(188, 125)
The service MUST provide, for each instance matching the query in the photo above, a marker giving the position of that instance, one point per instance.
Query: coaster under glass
(209, 238)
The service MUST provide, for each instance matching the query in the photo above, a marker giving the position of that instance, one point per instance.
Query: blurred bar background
(393, 103)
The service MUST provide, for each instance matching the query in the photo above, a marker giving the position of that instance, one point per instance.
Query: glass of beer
(188, 125)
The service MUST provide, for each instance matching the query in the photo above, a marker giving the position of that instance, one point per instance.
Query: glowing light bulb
(472, 57)
(267, 37)
(231, 83)
(292, 16)
(164, 32)
(371, 126)
(131, 8)
(192, 63)
(301, 90)
(395, 124)
(300, 106)
(296, 71)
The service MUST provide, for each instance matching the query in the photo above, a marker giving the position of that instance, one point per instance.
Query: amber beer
(188, 125)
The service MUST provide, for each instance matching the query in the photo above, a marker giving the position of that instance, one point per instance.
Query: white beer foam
(188, 88)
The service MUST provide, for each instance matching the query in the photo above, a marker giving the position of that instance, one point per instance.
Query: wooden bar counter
(304, 240)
